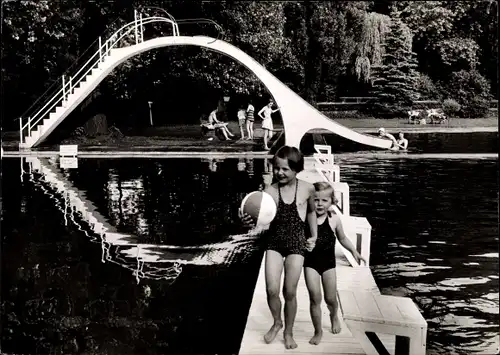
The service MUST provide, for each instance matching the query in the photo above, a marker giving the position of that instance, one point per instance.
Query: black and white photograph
(192, 177)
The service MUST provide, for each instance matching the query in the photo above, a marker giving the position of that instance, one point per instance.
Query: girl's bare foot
(271, 334)
(316, 339)
(336, 327)
(289, 342)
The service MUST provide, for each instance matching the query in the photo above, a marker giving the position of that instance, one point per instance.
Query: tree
(369, 48)
(471, 90)
(395, 81)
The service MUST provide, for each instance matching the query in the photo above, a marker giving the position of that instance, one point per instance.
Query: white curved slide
(298, 115)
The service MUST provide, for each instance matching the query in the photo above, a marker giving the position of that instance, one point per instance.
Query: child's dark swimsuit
(287, 230)
(322, 257)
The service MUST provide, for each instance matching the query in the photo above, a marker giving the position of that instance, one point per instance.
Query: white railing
(69, 83)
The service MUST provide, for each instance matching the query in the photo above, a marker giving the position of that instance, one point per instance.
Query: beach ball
(261, 206)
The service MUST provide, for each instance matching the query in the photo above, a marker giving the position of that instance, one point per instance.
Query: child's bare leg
(251, 129)
(329, 279)
(266, 135)
(228, 131)
(225, 134)
(274, 267)
(293, 268)
(242, 132)
(313, 283)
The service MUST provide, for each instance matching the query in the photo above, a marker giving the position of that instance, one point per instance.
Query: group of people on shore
(246, 121)
(302, 235)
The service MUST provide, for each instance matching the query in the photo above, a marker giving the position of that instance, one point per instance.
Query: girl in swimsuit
(267, 122)
(319, 265)
(287, 242)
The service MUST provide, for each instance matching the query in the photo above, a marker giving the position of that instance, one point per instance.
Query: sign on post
(68, 150)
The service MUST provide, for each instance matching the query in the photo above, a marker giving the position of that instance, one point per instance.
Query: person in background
(250, 119)
(383, 133)
(242, 119)
(267, 122)
(402, 142)
(212, 120)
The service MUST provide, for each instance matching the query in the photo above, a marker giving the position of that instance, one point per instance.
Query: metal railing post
(70, 88)
(100, 51)
(20, 130)
(142, 28)
(135, 27)
(29, 126)
(64, 88)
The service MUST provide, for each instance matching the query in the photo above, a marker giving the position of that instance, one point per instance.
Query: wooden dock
(259, 318)
(371, 323)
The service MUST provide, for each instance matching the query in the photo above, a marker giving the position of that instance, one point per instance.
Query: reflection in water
(150, 261)
(434, 239)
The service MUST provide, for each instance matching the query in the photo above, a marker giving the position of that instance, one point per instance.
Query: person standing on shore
(250, 119)
(242, 121)
(267, 122)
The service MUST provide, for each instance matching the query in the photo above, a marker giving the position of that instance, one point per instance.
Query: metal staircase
(45, 115)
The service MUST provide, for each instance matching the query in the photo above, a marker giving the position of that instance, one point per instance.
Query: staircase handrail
(106, 46)
(221, 33)
(56, 81)
(164, 11)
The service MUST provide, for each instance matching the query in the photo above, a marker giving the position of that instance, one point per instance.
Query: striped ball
(261, 206)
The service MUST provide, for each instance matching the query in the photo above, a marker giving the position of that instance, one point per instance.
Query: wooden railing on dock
(371, 323)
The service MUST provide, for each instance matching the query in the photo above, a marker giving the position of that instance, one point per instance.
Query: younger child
(319, 265)
(250, 119)
(287, 242)
(242, 118)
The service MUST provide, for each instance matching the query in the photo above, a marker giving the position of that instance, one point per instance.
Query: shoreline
(182, 137)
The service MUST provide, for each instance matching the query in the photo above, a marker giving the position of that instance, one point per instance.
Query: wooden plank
(389, 310)
(259, 317)
(367, 306)
(349, 305)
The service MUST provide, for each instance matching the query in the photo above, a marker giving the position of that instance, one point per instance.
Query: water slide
(298, 115)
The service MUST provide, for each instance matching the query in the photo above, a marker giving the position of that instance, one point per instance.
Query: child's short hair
(293, 156)
(323, 185)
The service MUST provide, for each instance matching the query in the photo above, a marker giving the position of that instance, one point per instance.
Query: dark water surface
(74, 283)
(438, 142)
